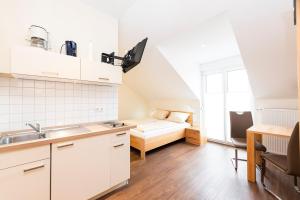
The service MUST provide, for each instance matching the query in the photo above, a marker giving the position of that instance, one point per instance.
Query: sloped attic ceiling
(212, 40)
(263, 30)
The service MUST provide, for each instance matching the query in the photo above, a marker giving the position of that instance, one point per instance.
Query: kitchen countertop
(88, 130)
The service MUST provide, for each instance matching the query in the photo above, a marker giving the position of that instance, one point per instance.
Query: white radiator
(278, 117)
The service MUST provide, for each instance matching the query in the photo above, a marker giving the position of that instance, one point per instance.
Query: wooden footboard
(145, 145)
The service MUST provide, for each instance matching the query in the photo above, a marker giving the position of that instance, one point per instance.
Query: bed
(153, 133)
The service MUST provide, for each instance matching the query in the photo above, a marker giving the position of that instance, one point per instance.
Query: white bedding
(153, 127)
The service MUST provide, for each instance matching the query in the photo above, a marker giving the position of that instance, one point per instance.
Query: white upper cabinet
(32, 61)
(38, 62)
(100, 72)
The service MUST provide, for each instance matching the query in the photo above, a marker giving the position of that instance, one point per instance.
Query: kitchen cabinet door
(34, 61)
(120, 158)
(80, 168)
(100, 72)
(27, 182)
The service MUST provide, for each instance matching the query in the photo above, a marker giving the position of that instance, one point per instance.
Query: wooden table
(255, 133)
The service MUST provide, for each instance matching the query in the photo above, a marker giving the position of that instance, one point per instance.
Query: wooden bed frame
(144, 145)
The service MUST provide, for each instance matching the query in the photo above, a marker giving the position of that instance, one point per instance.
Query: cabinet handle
(119, 145)
(120, 134)
(51, 73)
(65, 145)
(33, 168)
(105, 79)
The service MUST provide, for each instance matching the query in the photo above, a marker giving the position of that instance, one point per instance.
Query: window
(224, 91)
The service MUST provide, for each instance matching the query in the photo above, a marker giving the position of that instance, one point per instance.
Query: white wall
(276, 103)
(64, 19)
(178, 105)
(131, 105)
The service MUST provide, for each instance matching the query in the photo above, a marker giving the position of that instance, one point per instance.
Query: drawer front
(26, 182)
(192, 134)
(120, 137)
(19, 157)
(192, 140)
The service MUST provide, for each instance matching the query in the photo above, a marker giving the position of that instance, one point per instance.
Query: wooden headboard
(189, 119)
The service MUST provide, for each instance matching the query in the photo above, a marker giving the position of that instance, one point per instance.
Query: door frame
(224, 71)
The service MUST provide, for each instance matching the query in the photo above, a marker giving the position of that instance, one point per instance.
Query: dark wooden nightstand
(194, 136)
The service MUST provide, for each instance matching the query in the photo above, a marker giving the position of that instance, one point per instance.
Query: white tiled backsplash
(54, 103)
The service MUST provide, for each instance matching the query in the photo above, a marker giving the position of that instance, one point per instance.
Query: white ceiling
(263, 30)
(212, 40)
(115, 8)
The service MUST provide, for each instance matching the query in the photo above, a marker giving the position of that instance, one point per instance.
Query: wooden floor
(182, 171)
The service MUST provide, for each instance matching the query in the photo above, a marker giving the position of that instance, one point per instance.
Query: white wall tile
(50, 85)
(40, 92)
(28, 84)
(16, 100)
(15, 109)
(28, 92)
(16, 118)
(28, 100)
(60, 86)
(4, 127)
(4, 100)
(4, 81)
(16, 91)
(53, 103)
(16, 83)
(40, 84)
(4, 109)
(4, 91)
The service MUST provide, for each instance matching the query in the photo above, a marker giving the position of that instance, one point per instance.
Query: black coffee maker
(71, 48)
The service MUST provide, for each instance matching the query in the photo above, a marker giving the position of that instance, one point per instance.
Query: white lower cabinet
(27, 182)
(120, 158)
(80, 168)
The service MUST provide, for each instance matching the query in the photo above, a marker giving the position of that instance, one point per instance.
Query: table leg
(251, 171)
(258, 138)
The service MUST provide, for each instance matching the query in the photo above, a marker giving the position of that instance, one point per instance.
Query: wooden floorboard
(182, 171)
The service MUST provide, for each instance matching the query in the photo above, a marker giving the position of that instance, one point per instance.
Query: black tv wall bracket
(110, 58)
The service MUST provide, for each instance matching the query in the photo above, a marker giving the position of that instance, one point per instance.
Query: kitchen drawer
(192, 140)
(120, 137)
(19, 157)
(30, 181)
(192, 134)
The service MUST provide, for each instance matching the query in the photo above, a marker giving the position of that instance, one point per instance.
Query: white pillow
(160, 114)
(178, 117)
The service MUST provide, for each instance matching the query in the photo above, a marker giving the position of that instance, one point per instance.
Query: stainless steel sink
(67, 130)
(47, 133)
(8, 139)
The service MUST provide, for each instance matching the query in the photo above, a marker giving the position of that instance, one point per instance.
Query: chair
(289, 164)
(240, 122)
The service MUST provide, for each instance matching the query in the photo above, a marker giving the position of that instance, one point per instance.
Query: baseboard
(109, 190)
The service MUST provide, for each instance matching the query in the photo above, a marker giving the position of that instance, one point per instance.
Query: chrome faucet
(37, 127)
